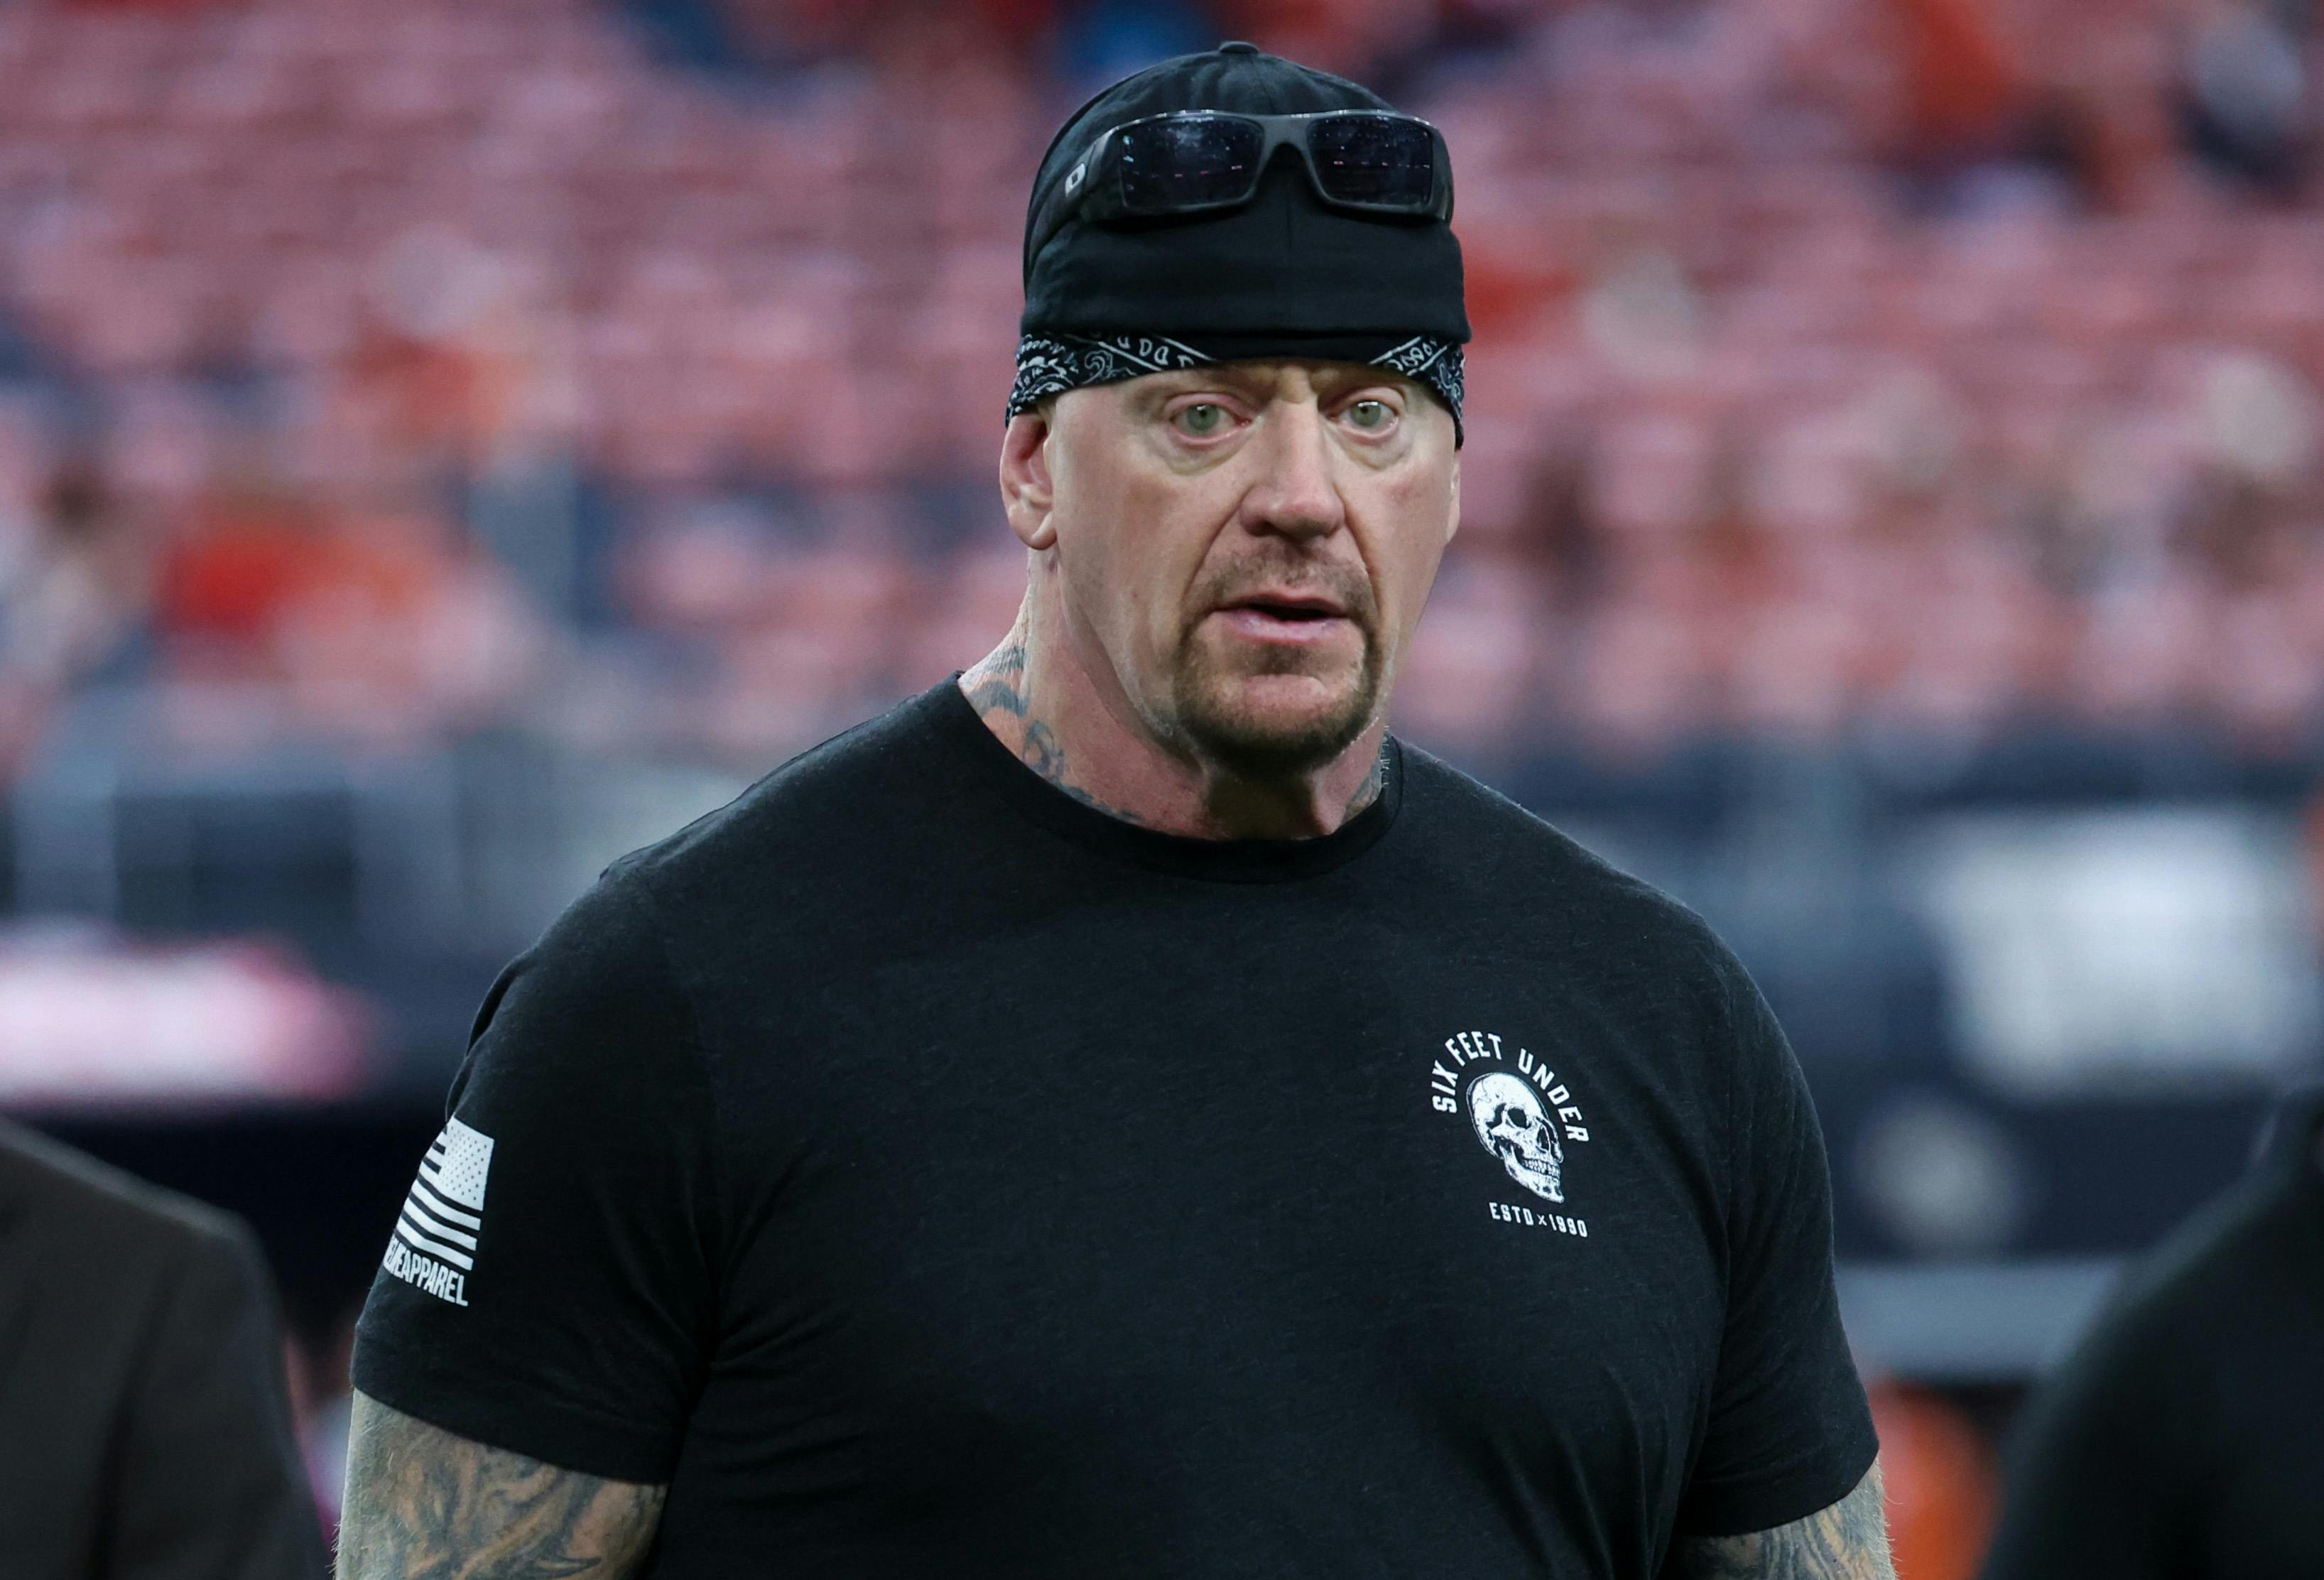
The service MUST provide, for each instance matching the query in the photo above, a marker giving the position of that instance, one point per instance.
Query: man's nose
(1294, 494)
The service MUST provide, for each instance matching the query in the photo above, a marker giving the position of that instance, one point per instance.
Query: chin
(1267, 726)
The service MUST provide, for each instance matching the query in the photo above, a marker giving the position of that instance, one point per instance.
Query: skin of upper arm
(425, 1504)
(1848, 1541)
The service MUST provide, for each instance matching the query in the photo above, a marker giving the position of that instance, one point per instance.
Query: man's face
(1248, 547)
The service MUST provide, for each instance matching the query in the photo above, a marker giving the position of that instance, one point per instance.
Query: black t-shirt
(925, 1173)
(2185, 1438)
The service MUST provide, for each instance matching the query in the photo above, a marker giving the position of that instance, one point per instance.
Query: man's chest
(1178, 1212)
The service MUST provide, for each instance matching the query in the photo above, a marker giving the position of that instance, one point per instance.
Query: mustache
(1343, 583)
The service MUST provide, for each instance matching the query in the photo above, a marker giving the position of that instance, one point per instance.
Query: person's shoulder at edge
(1478, 836)
(788, 849)
(2200, 1275)
(2123, 1432)
(103, 1209)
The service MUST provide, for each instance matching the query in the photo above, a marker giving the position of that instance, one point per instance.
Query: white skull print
(1515, 1128)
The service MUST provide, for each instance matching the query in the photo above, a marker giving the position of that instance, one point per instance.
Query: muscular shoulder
(842, 803)
(1494, 854)
(750, 900)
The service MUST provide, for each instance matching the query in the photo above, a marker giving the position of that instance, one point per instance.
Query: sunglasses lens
(1383, 161)
(1175, 164)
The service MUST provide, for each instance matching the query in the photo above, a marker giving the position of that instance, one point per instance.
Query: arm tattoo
(997, 686)
(423, 1504)
(1848, 1541)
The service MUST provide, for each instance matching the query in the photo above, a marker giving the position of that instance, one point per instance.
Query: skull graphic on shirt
(1514, 1127)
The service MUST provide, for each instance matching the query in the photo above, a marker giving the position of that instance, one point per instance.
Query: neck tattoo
(997, 690)
(1375, 780)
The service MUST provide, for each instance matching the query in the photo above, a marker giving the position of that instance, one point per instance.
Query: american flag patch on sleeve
(435, 1243)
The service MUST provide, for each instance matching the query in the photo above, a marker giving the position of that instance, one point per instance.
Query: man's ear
(1452, 516)
(1027, 489)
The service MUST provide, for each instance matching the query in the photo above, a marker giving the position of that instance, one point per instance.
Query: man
(2185, 1438)
(1239, 1145)
(144, 1427)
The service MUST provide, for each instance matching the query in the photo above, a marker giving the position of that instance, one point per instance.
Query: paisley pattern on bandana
(1438, 364)
(1050, 365)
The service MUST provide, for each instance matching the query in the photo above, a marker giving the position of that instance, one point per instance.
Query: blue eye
(1370, 416)
(1201, 419)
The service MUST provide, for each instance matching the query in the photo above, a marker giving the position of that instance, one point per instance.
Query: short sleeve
(1790, 1431)
(549, 1285)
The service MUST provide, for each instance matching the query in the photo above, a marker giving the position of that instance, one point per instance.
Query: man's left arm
(1785, 1484)
(1848, 1541)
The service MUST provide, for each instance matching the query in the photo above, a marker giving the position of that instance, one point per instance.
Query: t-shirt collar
(992, 770)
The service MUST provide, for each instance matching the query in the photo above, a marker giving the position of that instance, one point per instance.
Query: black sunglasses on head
(1188, 162)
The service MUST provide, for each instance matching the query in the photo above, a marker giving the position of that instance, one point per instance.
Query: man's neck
(1083, 738)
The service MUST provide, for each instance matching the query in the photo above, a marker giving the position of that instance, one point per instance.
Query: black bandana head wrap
(1050, 365)
(1284, 275)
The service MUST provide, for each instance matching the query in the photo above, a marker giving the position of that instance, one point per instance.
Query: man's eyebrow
(1242, 379)
(1154, 391)
(1343, 376)
(1264, 382)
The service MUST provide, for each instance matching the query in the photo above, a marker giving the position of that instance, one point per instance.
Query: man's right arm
(544, 1320)
(423, 1502)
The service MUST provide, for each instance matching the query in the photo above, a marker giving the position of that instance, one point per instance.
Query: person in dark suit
(2184, 1438)
(144, 1422)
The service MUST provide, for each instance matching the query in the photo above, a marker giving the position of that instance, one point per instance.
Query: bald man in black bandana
(1122, 1112)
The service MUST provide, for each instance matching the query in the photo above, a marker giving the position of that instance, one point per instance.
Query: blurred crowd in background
(1926, 366)
(1910, 378)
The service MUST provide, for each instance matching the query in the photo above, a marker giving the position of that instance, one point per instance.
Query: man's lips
(1290, 606)
(1292, 617)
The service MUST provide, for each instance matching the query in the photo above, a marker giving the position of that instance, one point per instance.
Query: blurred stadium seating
(443, 445)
